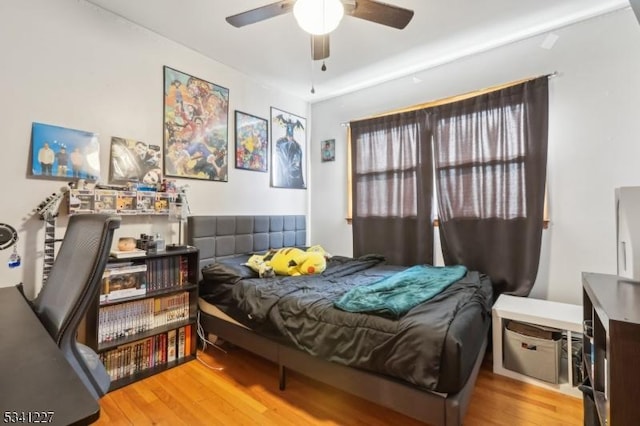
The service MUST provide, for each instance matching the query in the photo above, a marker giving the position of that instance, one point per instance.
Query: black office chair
(72, 286)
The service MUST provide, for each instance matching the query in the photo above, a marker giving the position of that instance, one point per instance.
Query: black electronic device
(8, 236)
(171, 247)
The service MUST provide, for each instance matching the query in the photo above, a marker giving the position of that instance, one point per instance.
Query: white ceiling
(277, 52)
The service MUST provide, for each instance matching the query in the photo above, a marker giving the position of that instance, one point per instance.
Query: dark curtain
(490, 158)
(392, 171)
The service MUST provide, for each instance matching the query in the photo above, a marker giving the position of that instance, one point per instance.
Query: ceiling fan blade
(381, 13)
(319, 47)
(261, 13)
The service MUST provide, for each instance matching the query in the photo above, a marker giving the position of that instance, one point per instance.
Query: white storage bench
(563, 316)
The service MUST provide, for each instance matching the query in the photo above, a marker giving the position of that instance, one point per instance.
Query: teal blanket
(396, 294)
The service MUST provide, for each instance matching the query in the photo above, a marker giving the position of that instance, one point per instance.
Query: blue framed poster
(61, 153)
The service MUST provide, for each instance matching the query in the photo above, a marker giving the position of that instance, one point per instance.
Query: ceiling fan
(369, 10)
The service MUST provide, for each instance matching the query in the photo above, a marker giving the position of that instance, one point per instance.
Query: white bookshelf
(563, 316)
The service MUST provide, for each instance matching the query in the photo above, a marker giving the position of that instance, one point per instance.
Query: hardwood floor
(239, 388)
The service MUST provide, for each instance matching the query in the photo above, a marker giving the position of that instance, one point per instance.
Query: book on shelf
(122, 281)
(183, 273)
(171, 346)
(127, 360)
(125, 319)
(167, 272)
(118, 254)
(169, 309)
(187, 340)
(181, 343)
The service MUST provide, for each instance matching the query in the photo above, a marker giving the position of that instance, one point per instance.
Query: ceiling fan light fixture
(318, 17)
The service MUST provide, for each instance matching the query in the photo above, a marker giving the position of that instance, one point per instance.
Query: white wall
(593, 139)
(68, 63)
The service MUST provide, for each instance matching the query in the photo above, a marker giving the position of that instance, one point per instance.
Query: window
(515, 207)
(392, 165)
(489, 157)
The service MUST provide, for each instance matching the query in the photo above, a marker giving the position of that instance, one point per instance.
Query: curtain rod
(454, 98)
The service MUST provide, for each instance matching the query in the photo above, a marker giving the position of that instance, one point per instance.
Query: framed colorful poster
(252, 142)
(328, 150)
(195, 127)
(135, 161)
(61, 153)
(288, 150)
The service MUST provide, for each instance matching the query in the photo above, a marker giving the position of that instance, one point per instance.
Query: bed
(423, 363)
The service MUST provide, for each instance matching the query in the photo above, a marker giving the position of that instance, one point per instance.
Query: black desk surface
(36, 381)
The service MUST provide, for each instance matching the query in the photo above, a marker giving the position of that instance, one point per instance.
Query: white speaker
(628, 231)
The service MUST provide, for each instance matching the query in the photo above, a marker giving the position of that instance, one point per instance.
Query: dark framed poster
(196, 129)
(252, 142)
(288, 150)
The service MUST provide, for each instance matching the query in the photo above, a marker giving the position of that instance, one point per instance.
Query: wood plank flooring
(239, 388)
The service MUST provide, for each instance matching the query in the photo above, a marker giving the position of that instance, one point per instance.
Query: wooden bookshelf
(611, 347)
(142, 335)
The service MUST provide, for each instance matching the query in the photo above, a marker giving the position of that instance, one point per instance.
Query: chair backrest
(74, 281)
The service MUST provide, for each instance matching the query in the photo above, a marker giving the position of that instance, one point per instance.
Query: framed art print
(61, 153)
(288, 150)
(135, 161)
(252, 142)
(195, 127)
(328, 150)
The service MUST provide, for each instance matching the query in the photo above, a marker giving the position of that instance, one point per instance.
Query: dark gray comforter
(302, 310)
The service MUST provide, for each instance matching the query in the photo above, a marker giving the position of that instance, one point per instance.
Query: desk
(35, 377)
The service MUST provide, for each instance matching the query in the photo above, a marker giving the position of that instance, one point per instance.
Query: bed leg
(283, 376)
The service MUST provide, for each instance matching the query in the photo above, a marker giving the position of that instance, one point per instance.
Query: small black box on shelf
(576, 349)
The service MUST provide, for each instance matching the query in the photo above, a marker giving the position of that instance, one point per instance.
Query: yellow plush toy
(281, 258)
(293, 261)
(319, 249)
(308, 263)
(259, 265)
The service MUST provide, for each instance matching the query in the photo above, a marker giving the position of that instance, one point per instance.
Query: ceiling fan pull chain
(313, 89)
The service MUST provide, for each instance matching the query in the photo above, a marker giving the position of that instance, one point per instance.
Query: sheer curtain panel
(490, 160)
(392, 188)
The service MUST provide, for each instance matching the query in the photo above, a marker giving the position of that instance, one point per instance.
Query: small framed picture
(252, 142)
(328, 150)
(135, 161)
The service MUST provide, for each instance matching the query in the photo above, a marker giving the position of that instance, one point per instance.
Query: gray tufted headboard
(223, 236)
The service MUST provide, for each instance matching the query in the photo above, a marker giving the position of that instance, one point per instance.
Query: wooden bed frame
(224, 236)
